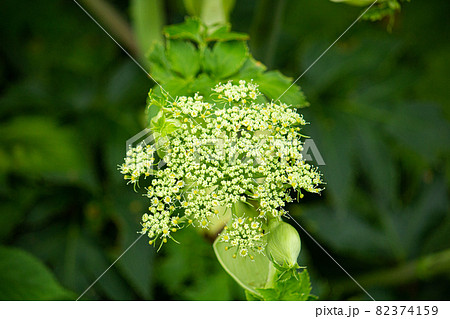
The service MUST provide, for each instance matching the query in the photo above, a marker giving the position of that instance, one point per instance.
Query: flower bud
(283, 244)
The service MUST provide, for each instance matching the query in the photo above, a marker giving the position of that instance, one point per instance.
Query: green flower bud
(283, 244)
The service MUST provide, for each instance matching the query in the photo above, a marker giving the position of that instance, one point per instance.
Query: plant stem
(114, 23)
(213, 13)
(271, 276)
(147, 18)
(210, 11)
(420, 269)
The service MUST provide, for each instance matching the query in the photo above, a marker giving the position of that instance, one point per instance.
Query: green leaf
(225, 59)
(304, 285)
(190, 29)
(176, 86)
(208, 62)
(202, 84)
(23, 277)
(250, 274)
(251, 69)
(155, 101)
(252, 297)
(269, 294)
(183, 87)
(294, 289)
(273, 84)
(223, 34)
(159, 65)
(183, 57)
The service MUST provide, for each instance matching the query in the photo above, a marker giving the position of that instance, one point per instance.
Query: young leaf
(252, 297)
(225, 59)
(223, 34)
(159, 65)
(202, 84)
(273, 84)
(188, 30)
(183, 57)
(294, 289)
(251, 69)
(177, 86)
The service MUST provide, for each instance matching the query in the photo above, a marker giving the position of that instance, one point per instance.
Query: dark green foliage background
(69, 99)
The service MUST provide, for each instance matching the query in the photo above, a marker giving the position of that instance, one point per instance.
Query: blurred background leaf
(23, 277)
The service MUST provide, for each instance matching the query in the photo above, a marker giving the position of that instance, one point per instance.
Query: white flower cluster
(190, 106)
(139, 161)
(221, 154)
(237, 93)
(245, 235)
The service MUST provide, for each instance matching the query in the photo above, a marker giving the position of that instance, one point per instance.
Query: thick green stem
(210, 11)
(147, 19)
(213, 12)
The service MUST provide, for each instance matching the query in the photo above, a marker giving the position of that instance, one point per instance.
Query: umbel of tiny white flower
(234, 150)
(245, 235)
(139, 161)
